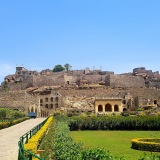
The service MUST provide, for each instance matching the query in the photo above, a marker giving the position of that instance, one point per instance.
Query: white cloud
(6, 69)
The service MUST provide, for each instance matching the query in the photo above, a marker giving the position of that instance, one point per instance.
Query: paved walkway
(9, 138)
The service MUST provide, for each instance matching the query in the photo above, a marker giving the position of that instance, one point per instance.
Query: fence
(25, 154)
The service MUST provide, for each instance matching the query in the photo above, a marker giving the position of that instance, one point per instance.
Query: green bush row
(115, 123)
(6, 113)
(12, 122)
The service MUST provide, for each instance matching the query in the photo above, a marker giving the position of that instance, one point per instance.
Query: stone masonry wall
(76, 99)
(124, 81)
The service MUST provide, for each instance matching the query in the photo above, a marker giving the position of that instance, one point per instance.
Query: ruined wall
(124, 81)
(80, 100)
(44, 80)
(93, 79)
(154, 83)
(13, 99)
(27, 82)
(70, 79)
(78, 103)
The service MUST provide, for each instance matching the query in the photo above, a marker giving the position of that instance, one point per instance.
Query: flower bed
(34, 141)
(146, 144)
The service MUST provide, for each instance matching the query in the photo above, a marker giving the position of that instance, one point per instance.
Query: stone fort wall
(75, 99)
(124, 81)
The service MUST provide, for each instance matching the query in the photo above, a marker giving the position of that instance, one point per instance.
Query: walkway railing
(25, 154)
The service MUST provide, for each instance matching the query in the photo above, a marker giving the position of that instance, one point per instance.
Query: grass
(117, 142)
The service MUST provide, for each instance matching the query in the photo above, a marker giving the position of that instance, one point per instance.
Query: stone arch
(46, 99)
(108, 108)
(124, 101)
(56, 99)
(116, 108)
(46, 105)
(124, 109)
(36, 111)
(51, 99)
(43, 113)
(28, 110)
(100, 108)
(32, 109)
(51, 106)
(41, 100)
(56, 105)
(155, 101)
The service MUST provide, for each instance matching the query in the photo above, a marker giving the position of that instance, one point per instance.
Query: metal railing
(25, 154)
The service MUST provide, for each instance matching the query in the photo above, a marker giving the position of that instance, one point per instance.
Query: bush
(3, 113)
(65, 147)
(114, 123)
(146, 144)
(5, 124)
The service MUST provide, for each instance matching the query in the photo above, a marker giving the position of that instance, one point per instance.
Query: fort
(78, 91)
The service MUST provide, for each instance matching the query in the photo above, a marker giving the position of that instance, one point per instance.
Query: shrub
(9, 123)
(83, 115)
(146, 144)
(115, 123)
(3, 113)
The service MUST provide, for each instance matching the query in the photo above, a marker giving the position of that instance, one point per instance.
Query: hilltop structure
(80, 91)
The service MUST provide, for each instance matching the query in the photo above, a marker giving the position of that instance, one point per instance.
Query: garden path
(9, 138)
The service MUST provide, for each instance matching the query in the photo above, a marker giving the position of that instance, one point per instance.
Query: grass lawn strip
(117, 142)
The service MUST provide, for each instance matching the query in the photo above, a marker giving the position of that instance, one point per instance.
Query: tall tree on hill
(67, 67)
(58, 68)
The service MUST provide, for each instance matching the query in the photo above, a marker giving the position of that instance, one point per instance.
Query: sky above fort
(113, 35)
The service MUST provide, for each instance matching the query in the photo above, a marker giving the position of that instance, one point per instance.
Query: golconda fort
(81, 91)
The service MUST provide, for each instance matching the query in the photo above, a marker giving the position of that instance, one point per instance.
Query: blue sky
(117, 35)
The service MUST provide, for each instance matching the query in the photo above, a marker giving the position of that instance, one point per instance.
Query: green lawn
(117, 142)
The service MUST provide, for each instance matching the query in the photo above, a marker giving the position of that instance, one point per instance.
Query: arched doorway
(100, 108)
(46, 106)
(116, 108)
(124, 109)
(108, 108)
(32, 109)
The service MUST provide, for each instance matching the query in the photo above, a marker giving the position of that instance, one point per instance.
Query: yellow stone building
(105, 105)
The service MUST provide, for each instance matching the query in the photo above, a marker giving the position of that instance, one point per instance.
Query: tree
(67, 67)
(58, 68)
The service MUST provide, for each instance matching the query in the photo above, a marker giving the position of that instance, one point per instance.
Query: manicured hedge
(5, 124)
(115, 123)
(146, 144)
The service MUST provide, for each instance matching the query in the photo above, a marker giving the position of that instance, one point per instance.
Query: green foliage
(6, 113)
(3, 113)
(146, 144)
(64, 147)
(67, 67)
(47, 143)
(58, 68)
(151, 157)
(11, 122)
(96, 154)
(117, 142)
(115, 123)
(83, 115)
